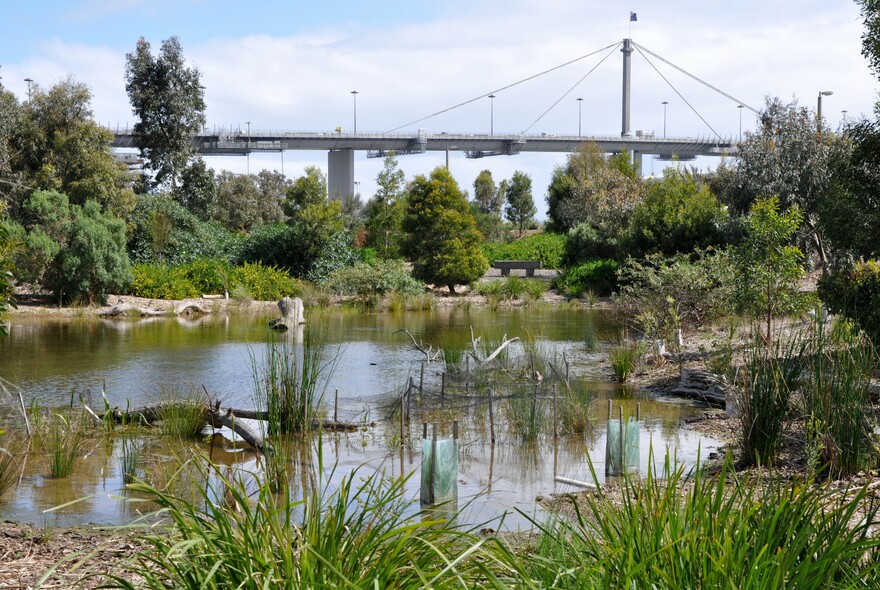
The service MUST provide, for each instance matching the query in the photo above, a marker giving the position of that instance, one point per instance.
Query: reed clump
(182, 415)
(625, 356)
(63, 439)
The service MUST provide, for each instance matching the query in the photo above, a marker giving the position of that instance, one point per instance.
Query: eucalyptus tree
(385, 210)
(169, 101)
(520, 208)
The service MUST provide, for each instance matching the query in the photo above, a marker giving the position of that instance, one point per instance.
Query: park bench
(527, 265)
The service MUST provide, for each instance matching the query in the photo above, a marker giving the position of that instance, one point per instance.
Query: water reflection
(135, 359)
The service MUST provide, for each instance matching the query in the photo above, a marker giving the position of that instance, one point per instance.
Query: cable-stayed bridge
(341, 146)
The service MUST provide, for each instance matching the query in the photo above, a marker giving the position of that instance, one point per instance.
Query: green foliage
(244, 202)
(63, 439)
(169, 102)
(306, 191)
(189, 237)
(386, 209)
(682, 529)
(625, 355)
(837, 399)
(303, 250)
(768, 268)
(772, 372)
(210, 276)
(442, 238)
(487, 197)
(9, 245)
(591, 188)
(584, 242)
(681, 291)
(678, 215)
(855, 293)
(370, 282)
(546, 247)
(597, 276)
(183, 415)
(520, 207)
(198, 189)
(59, 147)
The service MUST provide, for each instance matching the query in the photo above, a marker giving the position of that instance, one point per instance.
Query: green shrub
(370, 282)
(685, 290)
(598, 276)
(160, 281)
(546, 247)
(264, 283)
(855, 293)
(584, 242)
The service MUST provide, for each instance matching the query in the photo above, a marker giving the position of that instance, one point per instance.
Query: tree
(442, 238)
(82, 250)
(591, 188)
(678, 215)
(169, 102)
(790, 157)
(10, 115)
(237, 203)
(8, 249)
(488, 198)
(520, 208)
(768, 267)
(308, 189)
(58, 146)
(198, 189)
(385, 210)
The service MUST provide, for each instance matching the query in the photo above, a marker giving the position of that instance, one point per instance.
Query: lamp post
(664, 103)
(354, 95)
(819, 107)
(248, 147)
(580, 102)
(844, 112)
(491, 114)
(30, 83)
(740, 107)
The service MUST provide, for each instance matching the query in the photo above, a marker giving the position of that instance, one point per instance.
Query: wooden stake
(491, 419)
(336, 406)
(402, 410)
(421, 379)
(455, 430)
(555, 430)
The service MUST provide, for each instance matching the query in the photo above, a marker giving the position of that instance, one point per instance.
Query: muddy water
(136, 361)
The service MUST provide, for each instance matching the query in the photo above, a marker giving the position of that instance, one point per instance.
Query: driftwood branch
(431, 355)
(476, 353)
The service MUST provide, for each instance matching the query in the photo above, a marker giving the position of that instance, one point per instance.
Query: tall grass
(63, 440)
(129, 459)
(527, 416)
(182, 416)
(10, 450)
(772, 373)
(676, 531)
(625, 355)
(836, 397)
(287, 383)
(357, 536)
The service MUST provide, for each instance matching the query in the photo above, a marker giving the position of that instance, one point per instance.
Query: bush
(597, 276)
(162, 230)
(855, 293)
(684, 290)
(584, 242)
(546, 247)
(160, 281)
(370, 282)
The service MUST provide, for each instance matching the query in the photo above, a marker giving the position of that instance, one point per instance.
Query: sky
(291, 66)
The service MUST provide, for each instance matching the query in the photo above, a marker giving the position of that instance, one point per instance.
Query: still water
(136, 362)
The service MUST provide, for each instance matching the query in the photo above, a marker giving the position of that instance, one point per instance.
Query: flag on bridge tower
(633, 17)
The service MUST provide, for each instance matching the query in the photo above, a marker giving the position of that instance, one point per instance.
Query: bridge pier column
(637, 161)
(340, 173)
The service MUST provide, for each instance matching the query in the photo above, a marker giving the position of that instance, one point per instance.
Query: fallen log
(154, 413)
(247, 434)
(703, 386)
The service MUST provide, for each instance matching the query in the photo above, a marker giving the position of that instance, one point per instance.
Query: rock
(191, 309)
(702, 385)
(291, 314)
(129, 310)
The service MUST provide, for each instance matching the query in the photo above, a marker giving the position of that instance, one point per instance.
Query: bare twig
(430, 354)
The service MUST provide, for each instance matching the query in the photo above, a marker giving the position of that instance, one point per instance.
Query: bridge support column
(627, 84)
(340, 173)
(637, 161)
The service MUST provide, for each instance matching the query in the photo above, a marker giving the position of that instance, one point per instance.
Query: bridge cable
(639, 49)
(703, 82)
(482, 96)
(569, 91)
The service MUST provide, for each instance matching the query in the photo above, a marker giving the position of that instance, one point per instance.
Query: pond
(136, 362)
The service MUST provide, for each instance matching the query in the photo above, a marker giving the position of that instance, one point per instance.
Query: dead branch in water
(431, 355)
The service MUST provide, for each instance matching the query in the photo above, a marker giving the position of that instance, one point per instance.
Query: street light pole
(491, 114)
(740, 107)
(819, 107)
(580, 102)
(30, 87)
(664, 103)
(354, 94)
